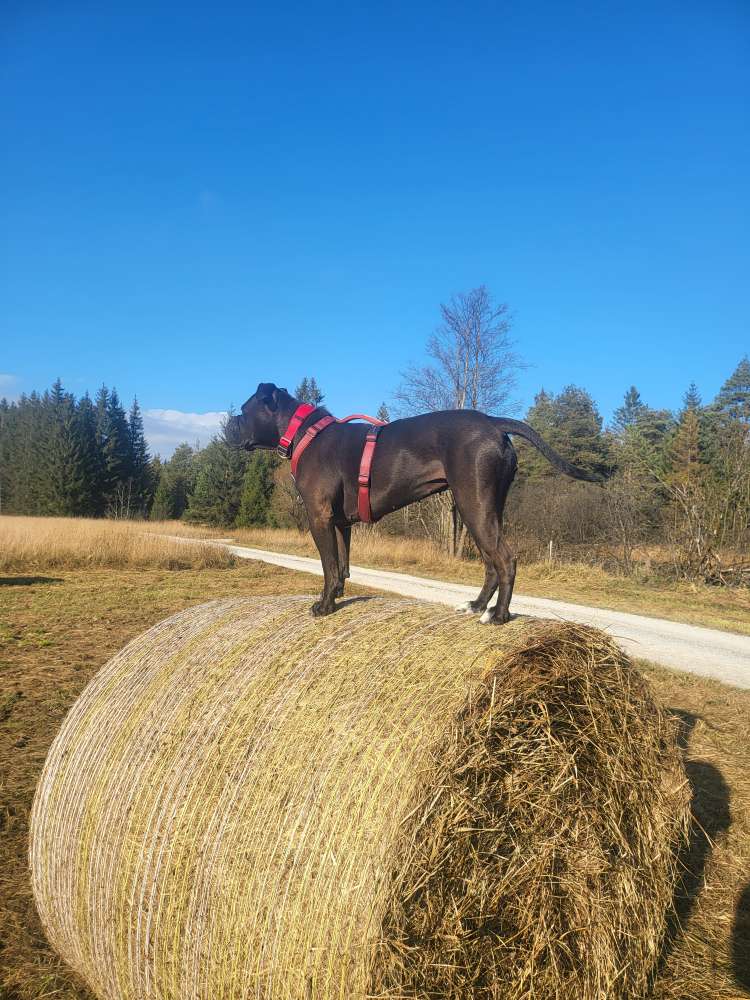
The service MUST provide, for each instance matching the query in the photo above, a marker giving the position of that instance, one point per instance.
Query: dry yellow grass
(53, 543)
(697, 604)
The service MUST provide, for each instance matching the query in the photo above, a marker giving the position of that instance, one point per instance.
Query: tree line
(74, 457)
(675, 485)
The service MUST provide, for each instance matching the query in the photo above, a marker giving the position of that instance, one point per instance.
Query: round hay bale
(391, 802)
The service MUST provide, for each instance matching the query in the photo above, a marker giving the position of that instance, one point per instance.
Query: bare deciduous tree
(473, 366)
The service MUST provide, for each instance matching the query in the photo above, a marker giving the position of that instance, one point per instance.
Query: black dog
(462, 450)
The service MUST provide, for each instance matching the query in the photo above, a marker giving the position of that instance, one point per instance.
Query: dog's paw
(320, 610)
(491, 617)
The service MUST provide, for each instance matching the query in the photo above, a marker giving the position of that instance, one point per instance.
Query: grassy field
(716, 607)
(61, 620)
(44, 543)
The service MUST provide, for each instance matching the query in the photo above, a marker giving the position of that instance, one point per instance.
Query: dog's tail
(523, 430)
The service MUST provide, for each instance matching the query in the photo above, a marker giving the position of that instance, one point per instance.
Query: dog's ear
(268, 395)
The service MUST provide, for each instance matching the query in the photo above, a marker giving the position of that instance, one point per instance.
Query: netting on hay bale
(392, 802)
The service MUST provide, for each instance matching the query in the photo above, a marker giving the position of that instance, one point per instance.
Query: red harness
(299, 416)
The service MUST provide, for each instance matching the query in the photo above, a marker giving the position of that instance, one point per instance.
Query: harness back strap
(365, 466)
(299, 416)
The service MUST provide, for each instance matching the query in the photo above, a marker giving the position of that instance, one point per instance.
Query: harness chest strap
(365, 465)
(299, 416)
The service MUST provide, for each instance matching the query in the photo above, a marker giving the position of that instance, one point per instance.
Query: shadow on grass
(27, 581)
(741, 940)
(711, 816)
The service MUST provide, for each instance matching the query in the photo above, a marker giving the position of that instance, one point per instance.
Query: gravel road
(704, 651)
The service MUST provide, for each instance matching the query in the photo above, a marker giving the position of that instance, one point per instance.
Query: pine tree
(692, 398)
(64, 484)
(383, 413)
(257, 491)
(26, 445)
(91, 458)
(685, 451)
(7, 424)
(175, 481)
(630, 412)
(308, 391)
(640, 434)
(118, 469)
(182, 470)
(733, 399)
(218, 484)
(572, 425)
(164, 505)
(139, 462)
(578, 426)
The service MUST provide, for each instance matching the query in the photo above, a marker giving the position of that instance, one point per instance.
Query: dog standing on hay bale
(465, 451)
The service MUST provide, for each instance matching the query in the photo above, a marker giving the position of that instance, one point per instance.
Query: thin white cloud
(165, 429)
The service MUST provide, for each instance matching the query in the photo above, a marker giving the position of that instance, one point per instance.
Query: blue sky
(195, 198)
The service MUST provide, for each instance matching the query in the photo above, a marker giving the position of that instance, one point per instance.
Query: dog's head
(259, 422)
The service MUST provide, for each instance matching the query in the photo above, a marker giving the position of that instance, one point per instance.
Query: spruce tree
(26, 446)
(91, 459)
(7, 424)
(382, 413)
(257, 491)
(733, 399)
(640, 434)
(175, 482)
(64, 483)
(218, 484)
(572, 425)
(308, 391)
(139, 462)
(182, 471)
(684, 455)
(692, 398)
(118, 469)
(630, 412)
(163, 507)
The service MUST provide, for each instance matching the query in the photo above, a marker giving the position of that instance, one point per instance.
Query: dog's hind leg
(480, 501)
(505, 562)
(343, 543)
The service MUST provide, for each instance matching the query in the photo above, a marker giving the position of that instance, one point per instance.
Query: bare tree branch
(474, 364)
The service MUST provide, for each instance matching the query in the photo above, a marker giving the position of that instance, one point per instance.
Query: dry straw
(391, 802)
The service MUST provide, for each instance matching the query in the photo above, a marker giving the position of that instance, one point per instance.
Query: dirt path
(703, 651)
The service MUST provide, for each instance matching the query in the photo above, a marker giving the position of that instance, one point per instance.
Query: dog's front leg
(324, 534)
(343, 541)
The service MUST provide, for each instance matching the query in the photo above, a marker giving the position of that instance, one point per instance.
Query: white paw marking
(487, 616)
(466, 608)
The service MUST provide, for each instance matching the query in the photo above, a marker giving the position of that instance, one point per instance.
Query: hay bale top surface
(390, 802)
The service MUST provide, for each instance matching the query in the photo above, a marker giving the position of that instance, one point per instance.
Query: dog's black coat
(462, 450)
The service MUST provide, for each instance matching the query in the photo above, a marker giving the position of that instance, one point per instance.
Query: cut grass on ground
(56, 631)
